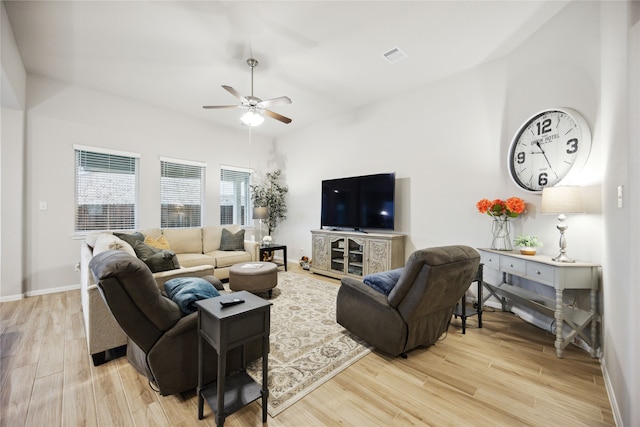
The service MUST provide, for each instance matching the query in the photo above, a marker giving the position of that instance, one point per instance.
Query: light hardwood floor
(505, 374)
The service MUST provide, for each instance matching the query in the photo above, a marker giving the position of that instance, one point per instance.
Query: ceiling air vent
(395, 55)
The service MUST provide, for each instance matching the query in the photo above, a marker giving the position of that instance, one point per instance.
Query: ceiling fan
(256, 107)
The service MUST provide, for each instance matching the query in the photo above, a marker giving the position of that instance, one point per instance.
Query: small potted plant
(528, 244)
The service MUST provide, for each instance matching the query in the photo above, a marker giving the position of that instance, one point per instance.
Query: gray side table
(224, 328)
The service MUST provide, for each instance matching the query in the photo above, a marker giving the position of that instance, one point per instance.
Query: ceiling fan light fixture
(252, 118)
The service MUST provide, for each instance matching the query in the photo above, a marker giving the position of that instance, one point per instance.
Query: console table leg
(559, 315)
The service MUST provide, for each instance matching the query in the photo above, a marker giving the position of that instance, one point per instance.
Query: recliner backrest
(434, 279)
(131, 293)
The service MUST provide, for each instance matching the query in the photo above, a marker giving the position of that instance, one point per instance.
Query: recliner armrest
(184, 325)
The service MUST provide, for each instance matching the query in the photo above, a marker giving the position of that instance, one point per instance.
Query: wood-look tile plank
(45, 405)
(15, 395)
(79, 405)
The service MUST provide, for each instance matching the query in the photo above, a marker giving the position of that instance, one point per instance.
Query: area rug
(308, 347)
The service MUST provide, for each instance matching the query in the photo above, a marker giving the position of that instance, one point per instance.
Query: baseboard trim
(612, 396)
(39, 292)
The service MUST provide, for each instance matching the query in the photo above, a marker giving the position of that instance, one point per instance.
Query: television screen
(359, 202)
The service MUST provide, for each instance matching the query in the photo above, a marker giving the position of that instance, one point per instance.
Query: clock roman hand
(547, 159)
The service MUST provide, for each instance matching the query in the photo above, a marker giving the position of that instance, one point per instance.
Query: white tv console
(351, 253)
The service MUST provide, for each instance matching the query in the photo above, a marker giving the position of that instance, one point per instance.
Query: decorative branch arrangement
(271, 194)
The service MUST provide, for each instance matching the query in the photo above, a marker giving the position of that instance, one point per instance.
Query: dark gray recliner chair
(418, 309)
(162, 342)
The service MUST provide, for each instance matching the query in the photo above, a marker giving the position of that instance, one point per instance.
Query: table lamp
(562, 200)
(260, 213)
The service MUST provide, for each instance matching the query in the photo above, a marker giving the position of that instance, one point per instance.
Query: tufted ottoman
(253, 277)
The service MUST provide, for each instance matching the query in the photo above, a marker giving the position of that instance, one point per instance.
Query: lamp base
(563, 258)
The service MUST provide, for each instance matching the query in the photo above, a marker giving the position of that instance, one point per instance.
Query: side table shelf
(461, 310)
(225, 328)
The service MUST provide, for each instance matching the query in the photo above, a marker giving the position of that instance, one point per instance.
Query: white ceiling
(325, 55)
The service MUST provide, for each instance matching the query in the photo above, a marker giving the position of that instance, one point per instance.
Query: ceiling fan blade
(277, 116)
(235, 93)
(221, 106)
(275, 101)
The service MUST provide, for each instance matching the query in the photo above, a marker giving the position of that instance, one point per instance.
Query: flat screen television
(359, 202)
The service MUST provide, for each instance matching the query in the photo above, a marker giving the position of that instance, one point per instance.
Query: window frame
(240, 217)
(188, 221)
(109, 224)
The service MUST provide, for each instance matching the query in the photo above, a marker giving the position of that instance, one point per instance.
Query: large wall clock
(548, 148)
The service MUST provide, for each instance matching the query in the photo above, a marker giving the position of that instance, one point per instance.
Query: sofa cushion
(228, 258)
(185, 291)
(159, 242)
(106, 242)
(156, 259)
(130, 238)
(193, 260)
(232, 241)
(383, 281)
(184, 240)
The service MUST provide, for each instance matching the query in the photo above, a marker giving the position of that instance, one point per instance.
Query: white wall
(448, 144)
(12, 223)
(60, 116)
(619, 133)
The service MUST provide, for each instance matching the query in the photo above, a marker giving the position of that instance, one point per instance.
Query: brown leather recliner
(419, 307)
(162, 342)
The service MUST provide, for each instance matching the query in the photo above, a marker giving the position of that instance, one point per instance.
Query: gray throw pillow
(131, 238)
(232, 241)
(156, 259)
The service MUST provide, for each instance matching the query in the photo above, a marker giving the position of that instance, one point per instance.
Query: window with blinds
(181, 193)
(106, 189)
(235, 199)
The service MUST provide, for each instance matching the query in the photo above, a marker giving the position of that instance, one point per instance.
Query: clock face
(548, 148)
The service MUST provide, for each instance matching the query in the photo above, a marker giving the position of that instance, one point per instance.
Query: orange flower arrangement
(510, 208)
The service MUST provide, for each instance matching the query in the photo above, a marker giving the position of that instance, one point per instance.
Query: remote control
(230, 302)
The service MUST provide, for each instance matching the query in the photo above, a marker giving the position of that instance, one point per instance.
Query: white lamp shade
(260, 213)
(561, 200)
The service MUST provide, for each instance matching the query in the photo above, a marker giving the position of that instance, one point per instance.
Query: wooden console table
(559, 275)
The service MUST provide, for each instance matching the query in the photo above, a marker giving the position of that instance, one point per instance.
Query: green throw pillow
(232, 241)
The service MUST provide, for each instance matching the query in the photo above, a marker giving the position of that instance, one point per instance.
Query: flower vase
(501, 229)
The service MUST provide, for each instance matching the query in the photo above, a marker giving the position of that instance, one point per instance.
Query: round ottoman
(253, 277)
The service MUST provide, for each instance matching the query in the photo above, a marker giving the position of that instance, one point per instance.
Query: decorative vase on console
(501, 211)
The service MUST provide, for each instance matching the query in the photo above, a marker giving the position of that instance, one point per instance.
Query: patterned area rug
(308, 347)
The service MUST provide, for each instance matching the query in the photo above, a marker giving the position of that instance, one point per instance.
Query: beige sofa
(198, 252)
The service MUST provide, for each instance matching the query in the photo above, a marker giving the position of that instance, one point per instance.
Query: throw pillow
(131, 238)
(161, 242)
(383, 281)
(108, 242)
(185, 291)
(232, 241)
(156, 259)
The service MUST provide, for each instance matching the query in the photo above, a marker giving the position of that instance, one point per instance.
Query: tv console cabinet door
(320, 252)
(337, 253)
(377, 256)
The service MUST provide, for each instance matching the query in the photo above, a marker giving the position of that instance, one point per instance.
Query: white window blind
(235, 201)
(106, 189)
(181, 193)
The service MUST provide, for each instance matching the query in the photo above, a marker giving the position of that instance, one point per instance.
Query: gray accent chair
(418, 309)
(162, 342)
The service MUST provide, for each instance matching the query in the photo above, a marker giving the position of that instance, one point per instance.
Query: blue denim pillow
(383, 281)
